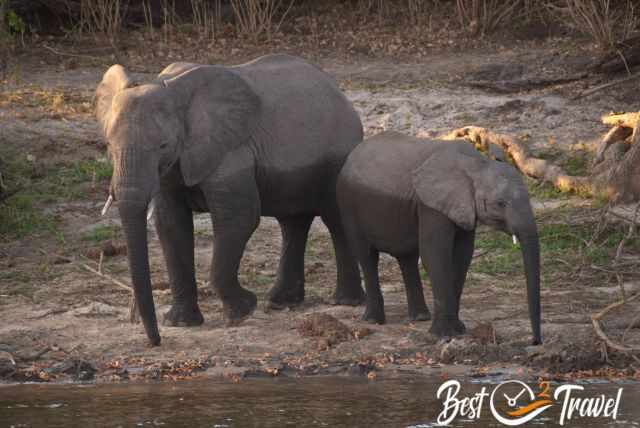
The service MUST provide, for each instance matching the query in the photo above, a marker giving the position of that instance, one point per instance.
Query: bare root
(524, 161)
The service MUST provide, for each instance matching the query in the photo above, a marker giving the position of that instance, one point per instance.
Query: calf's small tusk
(152, 207)
(515, 239)
(107, 205)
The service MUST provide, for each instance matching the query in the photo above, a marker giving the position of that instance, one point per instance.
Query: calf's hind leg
(418, 310)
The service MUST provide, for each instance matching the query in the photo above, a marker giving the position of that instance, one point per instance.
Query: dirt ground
(58, 321)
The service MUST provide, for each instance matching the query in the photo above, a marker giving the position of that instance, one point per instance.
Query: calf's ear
(442, 183)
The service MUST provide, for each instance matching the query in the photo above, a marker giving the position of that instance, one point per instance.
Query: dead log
(522, 158)
(625, 56)
(614, 175)
(520, 85)
(626, 120)
(623, 177)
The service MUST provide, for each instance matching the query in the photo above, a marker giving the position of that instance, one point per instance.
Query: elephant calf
(422, 198)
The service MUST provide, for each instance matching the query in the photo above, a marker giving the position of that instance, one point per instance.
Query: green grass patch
(69, 182)
(544, 190)
(39, 184)
(562, 247)
(19, 217)
(101, 233)
(576, 165)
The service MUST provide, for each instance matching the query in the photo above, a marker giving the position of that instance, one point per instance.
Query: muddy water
(331, 402)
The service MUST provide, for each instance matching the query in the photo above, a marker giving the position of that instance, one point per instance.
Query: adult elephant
(266, 138)
(415, 198)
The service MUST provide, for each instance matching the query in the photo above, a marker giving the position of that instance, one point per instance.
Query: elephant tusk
(515, 239)
(107, 205)
(151, 209)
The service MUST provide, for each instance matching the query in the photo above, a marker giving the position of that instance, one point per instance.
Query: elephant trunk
(527, 233)
(135, 180)
(134, 222)
(531, 260)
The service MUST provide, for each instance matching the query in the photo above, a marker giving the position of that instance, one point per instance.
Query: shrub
(482, 17)
(607, 22)
(257, 17)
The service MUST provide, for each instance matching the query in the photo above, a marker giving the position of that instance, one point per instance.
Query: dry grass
(482, 17)
(607, 22)
(206, 16)
(258, 17)
(103, 16)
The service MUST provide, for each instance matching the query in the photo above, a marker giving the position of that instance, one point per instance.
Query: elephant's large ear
(114, 80)
(221, 109)
(442, 183)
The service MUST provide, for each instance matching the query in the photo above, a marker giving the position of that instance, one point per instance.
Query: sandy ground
(59, 321)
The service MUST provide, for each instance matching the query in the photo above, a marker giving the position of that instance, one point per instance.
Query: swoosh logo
(529, 408)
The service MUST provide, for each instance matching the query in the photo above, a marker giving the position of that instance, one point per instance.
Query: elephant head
(468, 188)
(190, 122)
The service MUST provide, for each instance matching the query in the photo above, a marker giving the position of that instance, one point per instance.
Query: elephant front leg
(289, 287)
(437, 234)
(418, 310)
(462, 255)
(174, 225)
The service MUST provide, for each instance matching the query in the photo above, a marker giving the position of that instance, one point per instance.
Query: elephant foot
(238, 307)
(447, 327)
(354, 296)
(374, 316)
(421, 314)
(181, 316)
(282, 297)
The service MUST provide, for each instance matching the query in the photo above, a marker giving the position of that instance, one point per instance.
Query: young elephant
(421, 198)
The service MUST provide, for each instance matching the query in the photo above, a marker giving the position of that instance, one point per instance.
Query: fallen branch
(595, 320)
(512, 86)
(59, 53)
(133, 312)
(49, 312)
(592, 91)
(529, 165)
(627, 120)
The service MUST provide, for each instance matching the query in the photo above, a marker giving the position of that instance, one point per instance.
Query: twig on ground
(632, 324)
(57, 52)
(605, 86)
(49, 312)
(511, 86)
(38, 354)
(132, 304)
(595, 320)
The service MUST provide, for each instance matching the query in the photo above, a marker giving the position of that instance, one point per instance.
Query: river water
(309, 402)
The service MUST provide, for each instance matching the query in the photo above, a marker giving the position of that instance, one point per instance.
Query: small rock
(533, 351)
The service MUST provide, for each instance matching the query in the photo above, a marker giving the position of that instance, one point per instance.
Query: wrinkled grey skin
(422, 198)
(267, 138)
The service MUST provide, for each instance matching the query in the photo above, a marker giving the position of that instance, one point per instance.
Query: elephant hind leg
(418, 310)
(348, 289)
(374, 312)
(289, 287)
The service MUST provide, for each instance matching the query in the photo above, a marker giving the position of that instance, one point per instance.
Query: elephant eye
(502, 204)
(163, 145)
